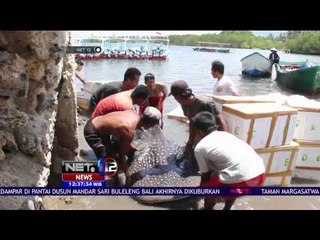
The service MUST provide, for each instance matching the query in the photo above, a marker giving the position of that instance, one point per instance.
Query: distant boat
(299, 78)
(256, 65)
(148, 47)
(212, 47)
(206, 49)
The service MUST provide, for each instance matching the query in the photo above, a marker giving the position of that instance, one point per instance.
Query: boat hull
(306, 80)
(256, 65)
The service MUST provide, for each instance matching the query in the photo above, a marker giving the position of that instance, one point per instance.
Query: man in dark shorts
(105, 133)
(111, 135)
(131, 80)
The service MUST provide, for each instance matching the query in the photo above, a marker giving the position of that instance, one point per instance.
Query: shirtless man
(111, 135)
(157, 94)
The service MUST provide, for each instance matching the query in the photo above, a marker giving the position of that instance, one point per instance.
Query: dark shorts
(102, 145)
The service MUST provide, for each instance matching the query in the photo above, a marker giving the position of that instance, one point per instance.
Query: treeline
(304, 42)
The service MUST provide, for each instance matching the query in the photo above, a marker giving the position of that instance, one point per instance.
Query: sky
(81, 34)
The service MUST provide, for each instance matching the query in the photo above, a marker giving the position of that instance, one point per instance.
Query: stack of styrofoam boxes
(220, 100)
(307, 134)
(269, 129)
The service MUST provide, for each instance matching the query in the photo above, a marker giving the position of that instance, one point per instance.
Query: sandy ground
(179, 132)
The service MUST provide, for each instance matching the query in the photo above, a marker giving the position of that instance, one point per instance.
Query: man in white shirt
(224, 160)
(222, 85)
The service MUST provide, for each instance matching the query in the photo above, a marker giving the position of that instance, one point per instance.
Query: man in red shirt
(121, 101)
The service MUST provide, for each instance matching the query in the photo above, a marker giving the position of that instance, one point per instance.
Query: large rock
(31, 139)
(13, 78)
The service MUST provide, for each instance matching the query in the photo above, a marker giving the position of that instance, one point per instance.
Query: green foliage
(304, 42)
(237, 39)
(307, 42)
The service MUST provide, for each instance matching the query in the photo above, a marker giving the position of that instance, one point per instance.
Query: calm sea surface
(193, 67)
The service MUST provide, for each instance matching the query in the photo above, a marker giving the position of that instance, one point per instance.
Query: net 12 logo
(88, 174)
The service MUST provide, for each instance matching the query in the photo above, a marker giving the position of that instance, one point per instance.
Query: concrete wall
(37, 110)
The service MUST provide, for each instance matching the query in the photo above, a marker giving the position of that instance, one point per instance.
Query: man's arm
(82, 79)
(203, 165)
(233, 89)
(205, 177)
(191, 134)
(125, 145)
(223, 124)
(164, 90)
(211, 107)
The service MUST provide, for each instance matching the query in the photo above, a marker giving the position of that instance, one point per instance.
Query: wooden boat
(256, 65)
(212, 47)
(298, 64)
(305, 80)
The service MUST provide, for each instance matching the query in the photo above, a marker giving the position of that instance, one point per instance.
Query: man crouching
(111, 135)
(224, 160)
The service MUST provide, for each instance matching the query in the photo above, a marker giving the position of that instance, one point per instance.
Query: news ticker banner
(162, 191)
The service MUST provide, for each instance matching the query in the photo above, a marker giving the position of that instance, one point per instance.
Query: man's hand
(133, 147)
(189, 144)
(128, 180)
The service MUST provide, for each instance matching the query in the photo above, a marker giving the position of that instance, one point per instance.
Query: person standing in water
(157, 94)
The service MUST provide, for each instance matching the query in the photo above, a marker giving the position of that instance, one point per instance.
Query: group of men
(223, 159)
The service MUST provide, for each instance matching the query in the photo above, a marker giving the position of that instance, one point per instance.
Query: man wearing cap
(157, 94)
(150, 117)
(222, 85)
(274, 57)
(192, 105)
(121, 101)
(224, 160)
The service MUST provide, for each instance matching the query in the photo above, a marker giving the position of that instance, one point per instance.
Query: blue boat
(256, 65)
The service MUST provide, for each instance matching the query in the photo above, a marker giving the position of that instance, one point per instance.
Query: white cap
(273, 49)
(152, 113)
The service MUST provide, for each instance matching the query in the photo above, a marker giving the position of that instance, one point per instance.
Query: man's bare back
(117, 123)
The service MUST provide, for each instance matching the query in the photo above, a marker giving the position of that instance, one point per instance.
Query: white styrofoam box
(178, 114)
(307, 126)
(261, 125)
(308, 155)
(279, 159)
(220, 100)
(307, 176)
(308, 121)
(277, 181)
